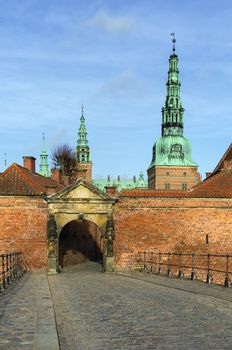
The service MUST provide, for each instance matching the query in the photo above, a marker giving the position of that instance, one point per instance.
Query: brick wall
(84, 170)
(160, 176)
(171, 224)
(23, 227)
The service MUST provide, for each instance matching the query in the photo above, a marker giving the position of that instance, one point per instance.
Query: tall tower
(43, 167)
(172, 166)
(84, 163)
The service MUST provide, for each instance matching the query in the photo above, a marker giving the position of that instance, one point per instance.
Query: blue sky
(113, 57)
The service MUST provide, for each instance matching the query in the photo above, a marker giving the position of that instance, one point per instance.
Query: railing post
(193, 272)
(3, 272)
(159, 263)
(7, 269)
(168, 271)
(209, 278)
(152, 262)
(180, 274)
(11, 268)
(227, 281)
(144, 261)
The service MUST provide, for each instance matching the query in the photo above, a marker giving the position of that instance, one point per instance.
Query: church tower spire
(84, 164)
(43, 167)
(172, 112)
(82, 150)
(172, 166)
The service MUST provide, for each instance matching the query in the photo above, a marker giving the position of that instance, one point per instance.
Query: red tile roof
(216, 186)
(226, 156)
(19, 181)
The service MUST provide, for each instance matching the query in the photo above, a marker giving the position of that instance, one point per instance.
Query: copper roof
(19, 181)
(216, 186)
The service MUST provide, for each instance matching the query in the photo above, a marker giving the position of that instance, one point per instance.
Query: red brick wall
(23, 227)
(158, 176)
(171, 224)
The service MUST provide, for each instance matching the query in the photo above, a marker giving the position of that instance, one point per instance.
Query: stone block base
(109, 264)
(52, 266)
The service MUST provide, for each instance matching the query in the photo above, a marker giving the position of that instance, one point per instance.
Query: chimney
(108, 178)
(57, 175)
(29, 163)
(134, 178)
(119, 178)
(111, 190)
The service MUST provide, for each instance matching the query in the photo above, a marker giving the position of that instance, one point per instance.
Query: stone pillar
(52, 246)
(108, 262)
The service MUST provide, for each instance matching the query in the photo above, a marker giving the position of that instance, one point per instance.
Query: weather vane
(173, 42)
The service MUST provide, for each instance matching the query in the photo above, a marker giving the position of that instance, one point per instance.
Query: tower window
(206, 239)
(184, 186)
(167, 186)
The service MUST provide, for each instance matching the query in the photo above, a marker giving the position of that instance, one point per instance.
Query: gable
(81, 189)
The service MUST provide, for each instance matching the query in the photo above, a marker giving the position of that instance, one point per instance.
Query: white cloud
(127, 84)
(110, 23)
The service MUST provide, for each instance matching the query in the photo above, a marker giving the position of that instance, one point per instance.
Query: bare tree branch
(63, 156)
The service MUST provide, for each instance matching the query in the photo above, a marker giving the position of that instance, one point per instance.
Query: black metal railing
(208, 267)
(11, 268)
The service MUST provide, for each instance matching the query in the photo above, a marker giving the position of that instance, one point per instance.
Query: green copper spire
(172, 148)
(82, 150)
(172, 112)
(43, 167)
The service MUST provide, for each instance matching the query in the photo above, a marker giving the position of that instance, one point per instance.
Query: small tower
(43, 167)
(172, 167)
(84, 163)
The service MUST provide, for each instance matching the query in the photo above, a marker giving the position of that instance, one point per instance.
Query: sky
(112, 56)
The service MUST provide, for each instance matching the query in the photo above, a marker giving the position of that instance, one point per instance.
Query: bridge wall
(171, 224)
(23, 227)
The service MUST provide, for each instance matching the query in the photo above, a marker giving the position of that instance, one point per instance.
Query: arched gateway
(79, 241)
(80, 214)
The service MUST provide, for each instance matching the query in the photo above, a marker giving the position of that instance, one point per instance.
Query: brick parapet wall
(23, 227)
(171, 224)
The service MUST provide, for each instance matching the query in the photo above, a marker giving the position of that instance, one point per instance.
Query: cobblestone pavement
(111, 311)
(104, 311)
(26, 315)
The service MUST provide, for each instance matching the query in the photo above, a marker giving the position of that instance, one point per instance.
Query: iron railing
(11, 268)
(210, 268)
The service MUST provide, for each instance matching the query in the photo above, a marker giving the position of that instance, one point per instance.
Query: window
(167, 173)
(207, 239)
(184, 174)
(167, 186)
(184, 186)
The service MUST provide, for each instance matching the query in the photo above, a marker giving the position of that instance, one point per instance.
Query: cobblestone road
(104, 311)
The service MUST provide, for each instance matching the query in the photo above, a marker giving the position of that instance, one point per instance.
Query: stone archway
(80, 241)
(78, 202)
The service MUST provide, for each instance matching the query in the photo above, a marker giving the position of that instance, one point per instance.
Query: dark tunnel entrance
(80, 241)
